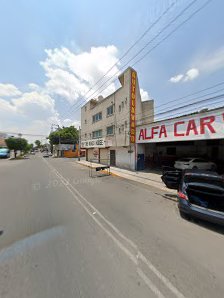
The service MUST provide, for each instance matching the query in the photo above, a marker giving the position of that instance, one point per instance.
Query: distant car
(4, 153)
(200, 194)
(32, 153)
(194, 163)
(45, 154)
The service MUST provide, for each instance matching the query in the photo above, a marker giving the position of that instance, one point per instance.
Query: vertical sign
(133, 107)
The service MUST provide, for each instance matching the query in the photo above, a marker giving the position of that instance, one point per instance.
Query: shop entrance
(112, 157)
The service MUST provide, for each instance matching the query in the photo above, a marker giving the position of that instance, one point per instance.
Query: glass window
(122, 127)
(110, 110)
(97, 134)
(122, 104)
(97, 117)
(85, 121)
(119, 130)
(85, 109)
(119, 108)
(110, 130)
(199, 160)
(126, 124)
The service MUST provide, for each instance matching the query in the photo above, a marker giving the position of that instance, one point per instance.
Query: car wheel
(184, 215)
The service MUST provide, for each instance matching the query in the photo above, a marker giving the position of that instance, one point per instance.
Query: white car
(194, 163)
(45, 154)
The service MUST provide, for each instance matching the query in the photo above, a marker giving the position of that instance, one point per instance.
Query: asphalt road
(63, 234)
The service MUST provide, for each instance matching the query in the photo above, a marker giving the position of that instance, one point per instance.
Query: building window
(90, 135)
(85, 135)
(119, 130)
(119, 108)
(97, 117)
(110, 110)
(97, 134)
(122, 104)
(126, 124)
(85, 108)
(126, 100)
(110, 130)
(122, 127)
(85, 121)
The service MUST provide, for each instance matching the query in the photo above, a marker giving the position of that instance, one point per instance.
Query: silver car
(194, 163)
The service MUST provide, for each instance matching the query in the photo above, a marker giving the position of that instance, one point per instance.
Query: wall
(123, 158)
(120, 119)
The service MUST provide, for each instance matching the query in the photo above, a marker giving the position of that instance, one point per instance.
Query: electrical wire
(161, 31)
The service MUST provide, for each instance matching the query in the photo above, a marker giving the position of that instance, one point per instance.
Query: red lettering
(207, 122)
(191, 127)
(176, 134)
(142, 134)
(163, 131)
(146, 137)
(154, 132)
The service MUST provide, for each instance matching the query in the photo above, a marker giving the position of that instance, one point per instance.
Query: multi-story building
(108, 124)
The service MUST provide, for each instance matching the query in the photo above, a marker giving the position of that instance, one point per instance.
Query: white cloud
(9, 90)
(68, 76)
(190, 75)
(176, 78)
(144, 95)
(71, 75)
(204, 64)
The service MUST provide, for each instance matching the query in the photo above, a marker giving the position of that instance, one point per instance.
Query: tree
(37, 143)
(16, 144)
(65, 135)
(29, 147)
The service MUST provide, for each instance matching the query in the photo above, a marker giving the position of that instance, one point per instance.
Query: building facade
(108, 125)
(200, 134)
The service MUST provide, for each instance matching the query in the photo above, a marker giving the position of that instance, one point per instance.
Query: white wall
(123, 158)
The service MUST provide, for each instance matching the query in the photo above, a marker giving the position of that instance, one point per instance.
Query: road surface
(63, 234)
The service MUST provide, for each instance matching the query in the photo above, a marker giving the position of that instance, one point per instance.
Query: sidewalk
(150, 179)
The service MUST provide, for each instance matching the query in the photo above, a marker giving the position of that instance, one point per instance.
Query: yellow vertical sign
(133, 107)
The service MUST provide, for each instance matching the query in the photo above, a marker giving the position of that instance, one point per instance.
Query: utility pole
(79, 143)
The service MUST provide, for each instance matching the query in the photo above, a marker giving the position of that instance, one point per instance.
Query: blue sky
(28, 28)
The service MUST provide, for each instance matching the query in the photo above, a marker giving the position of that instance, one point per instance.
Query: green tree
(65, 135)
(37, 143)
(16, 144)
(28, 148)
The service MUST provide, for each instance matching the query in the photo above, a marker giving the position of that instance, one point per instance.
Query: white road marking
(134, 258)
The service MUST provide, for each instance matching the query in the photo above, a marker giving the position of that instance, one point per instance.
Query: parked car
(200, 194)
(194, 163)
(45, 154)
(32, 153)
(4, 153)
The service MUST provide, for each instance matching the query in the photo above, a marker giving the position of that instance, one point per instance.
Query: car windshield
(4, 150)
(185, 159)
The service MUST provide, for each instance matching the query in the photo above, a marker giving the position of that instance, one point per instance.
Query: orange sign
(133, 107)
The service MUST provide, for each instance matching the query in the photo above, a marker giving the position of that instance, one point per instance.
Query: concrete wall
(120, 118)
(124, 159)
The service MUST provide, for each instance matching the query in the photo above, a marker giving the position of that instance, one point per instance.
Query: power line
(167, 36)
(192, 104)
(131, 47)
(183, 97)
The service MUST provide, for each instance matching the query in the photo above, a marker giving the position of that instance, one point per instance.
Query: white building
(108, 125)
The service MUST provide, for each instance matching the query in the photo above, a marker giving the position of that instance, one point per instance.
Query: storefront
(195, 135)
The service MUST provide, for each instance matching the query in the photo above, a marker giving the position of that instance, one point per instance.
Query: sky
(52, 52)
